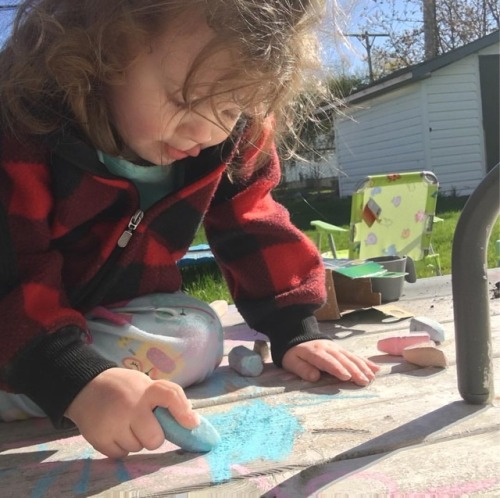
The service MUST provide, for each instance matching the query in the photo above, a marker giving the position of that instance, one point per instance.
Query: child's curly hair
(64, 54)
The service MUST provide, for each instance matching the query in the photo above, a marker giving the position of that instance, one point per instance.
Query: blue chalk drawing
(254, 431)
(83, 485)
(122, 474)
(5, 472)
(42, 485)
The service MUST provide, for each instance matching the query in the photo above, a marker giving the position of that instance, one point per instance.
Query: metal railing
(470, 289)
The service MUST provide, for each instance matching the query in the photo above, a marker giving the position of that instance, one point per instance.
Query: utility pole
(430, 29)
(367, 40)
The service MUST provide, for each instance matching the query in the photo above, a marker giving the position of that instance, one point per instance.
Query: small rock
(262, 348)
(245, 361)
(220, 306)
(395, 345)
(425, 355)
(435, 330)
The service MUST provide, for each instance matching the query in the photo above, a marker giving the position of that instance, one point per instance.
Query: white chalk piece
(201, 439)
(245, 361)
(425, 355)
(424, 324)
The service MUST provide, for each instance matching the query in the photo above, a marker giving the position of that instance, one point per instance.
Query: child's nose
(198, 128)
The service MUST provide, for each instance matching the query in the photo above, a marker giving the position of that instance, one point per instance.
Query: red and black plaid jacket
(62, 215)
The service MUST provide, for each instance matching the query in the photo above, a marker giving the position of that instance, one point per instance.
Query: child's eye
(232, 114)
(178, 104)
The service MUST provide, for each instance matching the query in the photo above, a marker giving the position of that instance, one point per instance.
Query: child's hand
(309, 359)
(114, 412)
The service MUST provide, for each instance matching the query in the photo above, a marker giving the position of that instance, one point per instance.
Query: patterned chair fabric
(391, 215)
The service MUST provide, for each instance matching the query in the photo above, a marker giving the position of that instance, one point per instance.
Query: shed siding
(454, 97)
(384, 134)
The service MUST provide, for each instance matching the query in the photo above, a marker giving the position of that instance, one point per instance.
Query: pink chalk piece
(396, 344)
(425, 355)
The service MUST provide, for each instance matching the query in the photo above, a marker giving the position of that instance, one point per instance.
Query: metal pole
(365, 39)
(368, 45)
(471, 293)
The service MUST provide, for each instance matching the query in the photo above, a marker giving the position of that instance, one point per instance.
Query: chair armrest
(322, 226)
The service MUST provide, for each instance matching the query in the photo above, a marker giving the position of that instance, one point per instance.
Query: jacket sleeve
(274, 272)
(44, 352)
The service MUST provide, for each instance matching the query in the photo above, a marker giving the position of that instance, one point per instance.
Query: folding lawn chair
(391, 215)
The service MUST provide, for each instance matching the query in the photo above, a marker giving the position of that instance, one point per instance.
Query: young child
(124, 126)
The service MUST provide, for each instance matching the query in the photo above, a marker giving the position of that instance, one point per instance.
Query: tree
(448, 24)
(316, 136)
(313, 142)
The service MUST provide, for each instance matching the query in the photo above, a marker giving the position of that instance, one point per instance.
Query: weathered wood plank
(288, 438)
(292, 430)
(466, 467)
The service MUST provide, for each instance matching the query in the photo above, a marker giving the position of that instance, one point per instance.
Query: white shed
(441, 115)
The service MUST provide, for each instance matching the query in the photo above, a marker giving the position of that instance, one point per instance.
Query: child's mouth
(178, 154)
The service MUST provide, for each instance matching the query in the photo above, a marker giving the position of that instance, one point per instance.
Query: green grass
(207, 283)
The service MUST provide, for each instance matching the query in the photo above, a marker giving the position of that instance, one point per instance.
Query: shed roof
(421, 71)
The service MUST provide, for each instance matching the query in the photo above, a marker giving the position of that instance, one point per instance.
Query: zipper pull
(132, 225)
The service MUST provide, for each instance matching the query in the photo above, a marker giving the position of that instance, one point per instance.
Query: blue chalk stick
(198, 440)
(245, 361)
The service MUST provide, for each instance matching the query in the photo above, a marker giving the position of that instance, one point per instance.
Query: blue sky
(337, 54)
(356, 16)
(5, 18)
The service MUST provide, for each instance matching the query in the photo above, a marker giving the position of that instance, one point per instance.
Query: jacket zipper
(132, 226)
(93, 293)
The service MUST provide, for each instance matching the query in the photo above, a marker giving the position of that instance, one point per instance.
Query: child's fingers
(326, 356)
(172, 397)
(334, 360)
(333, 363)
(128, 442)
(148, 430)
(308, 362)
(357, 367)
(111, 450)
(368, 363)
(366, 366)
(303, 369)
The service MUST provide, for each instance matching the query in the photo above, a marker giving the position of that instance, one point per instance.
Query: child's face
(148, 110)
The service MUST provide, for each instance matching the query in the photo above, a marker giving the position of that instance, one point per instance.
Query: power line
(367, 40)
